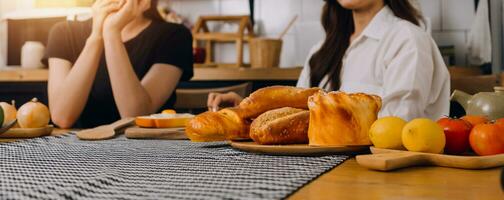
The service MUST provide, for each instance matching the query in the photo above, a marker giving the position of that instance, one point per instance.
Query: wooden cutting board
(296, 149)
(27, 132)
(387, 160)
(156, 133)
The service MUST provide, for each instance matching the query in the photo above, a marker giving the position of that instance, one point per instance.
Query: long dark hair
(153, 13)
(339, 26)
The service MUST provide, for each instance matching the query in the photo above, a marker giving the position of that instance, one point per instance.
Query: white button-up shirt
(397, 61)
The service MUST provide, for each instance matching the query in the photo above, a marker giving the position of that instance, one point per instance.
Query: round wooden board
(27, 132)
(297, 149)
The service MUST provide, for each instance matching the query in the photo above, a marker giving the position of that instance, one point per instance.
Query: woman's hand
(217, 99)
(102, 9)
(116, 21)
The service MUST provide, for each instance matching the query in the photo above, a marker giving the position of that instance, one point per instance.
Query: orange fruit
(145, 122)
(487, 139)
(171, 122)
(169, 111)
(475, 119)
(163, 120)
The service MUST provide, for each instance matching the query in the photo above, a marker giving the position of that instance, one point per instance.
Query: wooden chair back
(196, 99)
(463, 71)
(474, 84)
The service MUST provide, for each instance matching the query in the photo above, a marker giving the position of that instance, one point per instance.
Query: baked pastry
(273, 97)
(281, 126)
(226, 124)
(338, 118)
(234, 123)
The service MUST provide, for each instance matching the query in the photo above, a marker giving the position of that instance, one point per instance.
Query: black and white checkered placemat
(64, 167)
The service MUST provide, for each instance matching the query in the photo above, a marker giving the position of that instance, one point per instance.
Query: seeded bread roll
(281, 126)
(274, 97)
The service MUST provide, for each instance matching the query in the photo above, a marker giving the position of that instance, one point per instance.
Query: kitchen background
(449, 21)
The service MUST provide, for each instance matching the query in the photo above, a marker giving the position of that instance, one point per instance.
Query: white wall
(9, 5)
(271, 17)
(5, 7)
(450, 20)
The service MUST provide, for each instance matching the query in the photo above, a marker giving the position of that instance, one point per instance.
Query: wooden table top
(351, 181)
(17, 74)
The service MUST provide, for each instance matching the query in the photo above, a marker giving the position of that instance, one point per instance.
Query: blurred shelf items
(62, 3)
(34, 25)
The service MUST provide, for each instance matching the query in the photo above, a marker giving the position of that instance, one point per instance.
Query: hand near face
(101, 9)
(116, 21)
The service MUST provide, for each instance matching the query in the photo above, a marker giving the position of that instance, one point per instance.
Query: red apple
(487, 139)
(457, 135)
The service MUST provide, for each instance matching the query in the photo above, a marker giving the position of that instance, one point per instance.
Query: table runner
(63, 167)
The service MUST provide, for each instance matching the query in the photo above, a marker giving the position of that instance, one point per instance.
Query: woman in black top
(125, 62)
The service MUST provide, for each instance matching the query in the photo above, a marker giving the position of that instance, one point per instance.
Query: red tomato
(487, 139)
(500, 121)
(457, 135)
(475, 119)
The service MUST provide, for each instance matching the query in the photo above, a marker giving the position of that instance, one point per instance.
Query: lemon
(423, 135)
(386, 133)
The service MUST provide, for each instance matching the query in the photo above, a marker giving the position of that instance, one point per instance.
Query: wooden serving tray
(296, 149)
(27, 132)
(387, 160)
(156, 133)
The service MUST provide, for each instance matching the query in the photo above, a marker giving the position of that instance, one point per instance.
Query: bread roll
(274, 97)
(281, 126)
(226, 124)
(337, 118)
(233, 124)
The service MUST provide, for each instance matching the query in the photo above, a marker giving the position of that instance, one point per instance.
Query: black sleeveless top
(160, 42)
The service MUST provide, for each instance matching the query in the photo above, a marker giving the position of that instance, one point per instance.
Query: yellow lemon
(386, 133)
(423, 135)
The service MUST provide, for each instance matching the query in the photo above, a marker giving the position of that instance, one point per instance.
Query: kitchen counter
(13, 74)
(23, 84)
(351, 181)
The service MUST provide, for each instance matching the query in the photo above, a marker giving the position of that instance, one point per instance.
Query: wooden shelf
(248, 74)
(16, 74)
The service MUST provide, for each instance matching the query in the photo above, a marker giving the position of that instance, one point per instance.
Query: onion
(33, 114)
(9, 112)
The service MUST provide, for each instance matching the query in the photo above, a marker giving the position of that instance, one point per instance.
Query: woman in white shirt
(376, 47)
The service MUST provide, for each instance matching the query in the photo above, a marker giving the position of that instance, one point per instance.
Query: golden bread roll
(337, 118)
(226, 124)
(274, 97)
(281, 126)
